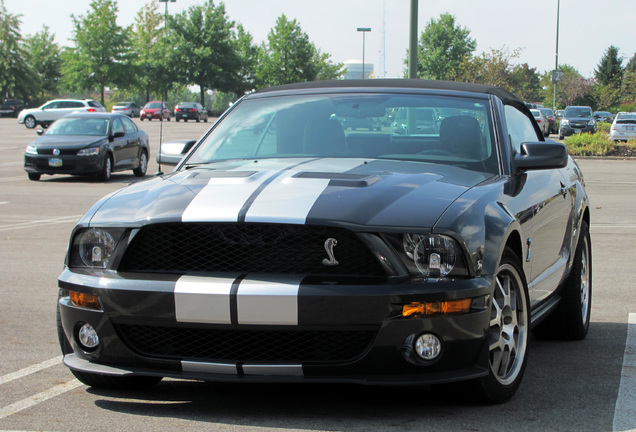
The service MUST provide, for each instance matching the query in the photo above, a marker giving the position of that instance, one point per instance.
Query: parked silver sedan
(623, 127)
(542, 121)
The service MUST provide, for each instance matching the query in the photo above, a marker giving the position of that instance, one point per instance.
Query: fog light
(87, 337)
(428, 346)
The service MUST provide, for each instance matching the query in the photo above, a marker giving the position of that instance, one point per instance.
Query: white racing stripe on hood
(223, 197)
(289, 199)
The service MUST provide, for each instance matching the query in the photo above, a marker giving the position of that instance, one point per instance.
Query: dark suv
(577, 119)
(11, 107)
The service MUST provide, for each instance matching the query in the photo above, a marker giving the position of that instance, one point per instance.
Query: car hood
(578, 119)
(67, 141)
(353, 192)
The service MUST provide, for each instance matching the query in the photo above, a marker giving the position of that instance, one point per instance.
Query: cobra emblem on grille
(330, 243)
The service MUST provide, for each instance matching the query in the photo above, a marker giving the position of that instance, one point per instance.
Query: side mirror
(39, 132)
(541, 155)
(117, 135)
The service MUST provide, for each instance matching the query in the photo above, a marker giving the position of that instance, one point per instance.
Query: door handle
(564, 190)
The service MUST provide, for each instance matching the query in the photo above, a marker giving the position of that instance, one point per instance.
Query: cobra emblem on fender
(330, 243)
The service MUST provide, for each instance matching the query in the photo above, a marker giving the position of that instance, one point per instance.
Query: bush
(597, 144)
(603, 128)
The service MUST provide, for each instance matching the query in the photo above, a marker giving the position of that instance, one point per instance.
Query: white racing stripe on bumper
(268, 302)
(203, 299)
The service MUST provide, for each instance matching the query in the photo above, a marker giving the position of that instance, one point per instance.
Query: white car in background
(542, 121)
(55, 109)
(623, 127)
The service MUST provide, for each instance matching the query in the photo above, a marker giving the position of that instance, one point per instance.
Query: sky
(586, 27)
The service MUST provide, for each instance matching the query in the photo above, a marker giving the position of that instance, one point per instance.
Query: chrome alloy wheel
(585, 279)
(508, 325)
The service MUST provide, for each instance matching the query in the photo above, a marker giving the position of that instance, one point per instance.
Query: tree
(610, 69)
(99, 58)
(289, 56)
(249, 55)
(148, 50)
(631, 64)
(16, 77)
(526, 83)
(43, 55)
(572, 90)
(204, 51)
(443, 47)
(492, 68)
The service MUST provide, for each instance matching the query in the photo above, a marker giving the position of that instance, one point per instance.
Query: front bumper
(339, 330)
(571, 130)
(76, 165)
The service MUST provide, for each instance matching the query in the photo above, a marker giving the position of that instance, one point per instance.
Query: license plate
(577, 130)
(148, 115)
(55, 163)
(184, 115)
(629, 127)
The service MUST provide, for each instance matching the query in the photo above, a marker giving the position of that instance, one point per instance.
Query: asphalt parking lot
(584, 386)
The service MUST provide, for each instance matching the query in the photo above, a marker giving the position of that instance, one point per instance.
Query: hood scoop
(342, 179)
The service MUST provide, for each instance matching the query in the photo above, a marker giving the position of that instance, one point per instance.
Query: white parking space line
(29, 370)
(38, 398)
(39, 223)
(625, 410)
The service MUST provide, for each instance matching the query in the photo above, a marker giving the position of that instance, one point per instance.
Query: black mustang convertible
(288, 248)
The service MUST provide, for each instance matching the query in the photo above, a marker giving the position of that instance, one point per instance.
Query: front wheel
(509, 329)
(30, 122)
(34, 176)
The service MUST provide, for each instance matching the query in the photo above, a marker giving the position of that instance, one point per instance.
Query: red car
(155, 110)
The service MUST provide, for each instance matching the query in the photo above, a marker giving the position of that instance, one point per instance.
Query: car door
(48, 112)
(119, 145)
(133, 141)
(544, 208)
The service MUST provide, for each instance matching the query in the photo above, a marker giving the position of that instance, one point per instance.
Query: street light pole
(556, 59)
(364, 31)
(164, 97)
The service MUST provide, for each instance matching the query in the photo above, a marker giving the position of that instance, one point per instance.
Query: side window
(129, 126)
(118, 126)
(520, 128)
(51, 105)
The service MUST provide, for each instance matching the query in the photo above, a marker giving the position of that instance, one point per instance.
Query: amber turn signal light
(436, 308)
(89, 301)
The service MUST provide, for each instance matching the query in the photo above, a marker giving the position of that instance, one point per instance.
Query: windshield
(79, 126)
(449, 130)
(578, 112)
(153, 105)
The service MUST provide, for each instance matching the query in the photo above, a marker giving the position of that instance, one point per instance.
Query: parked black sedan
(88, 143)
(190, 111)
(286, 249)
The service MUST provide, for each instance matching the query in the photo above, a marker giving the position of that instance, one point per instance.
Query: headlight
(565, 122)
(591, 122)
(432, 255)
(32, 150)
(94, 248)
(93, 151)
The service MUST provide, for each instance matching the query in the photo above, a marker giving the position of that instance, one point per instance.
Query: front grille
(247, 248)
(245, 345)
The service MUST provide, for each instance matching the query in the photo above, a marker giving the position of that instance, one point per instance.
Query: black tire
(116, 382)
(141, 119)
(29, 122)
(571, 319)
(206, 120)
(34, 176)
(107, 169)
(509, 330)
(140, 171)
(177, 119)
(168, 118)
(198, 119)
